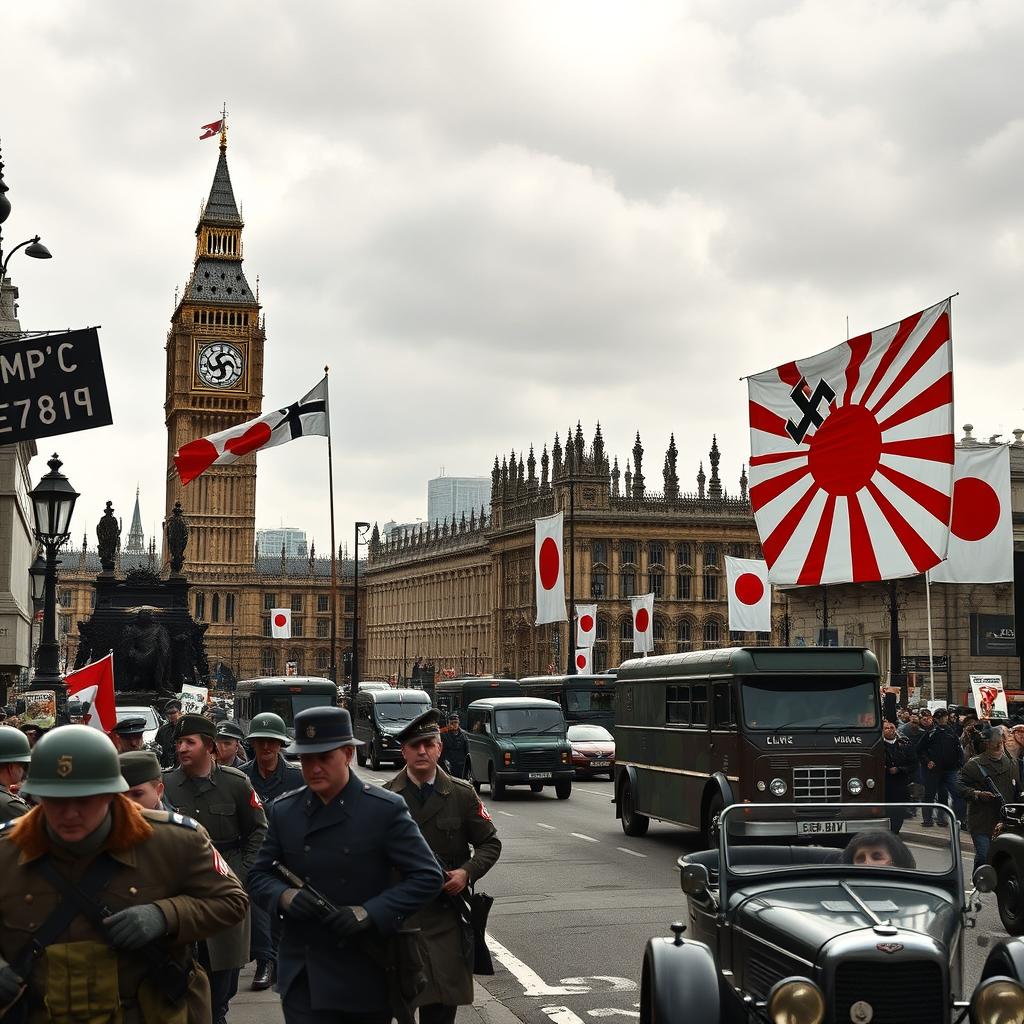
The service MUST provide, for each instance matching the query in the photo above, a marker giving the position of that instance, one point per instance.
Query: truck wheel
(563, 789)
(497, 786)
(709, 827)
(361, 756)
(374, 757)
(536, 787)
(1010, 893)
(633, 822)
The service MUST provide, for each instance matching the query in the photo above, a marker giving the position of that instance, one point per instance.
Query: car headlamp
(777, 787)
(870, 783)
(855, 786)
(796, 1001)
(761, 785)
(998, 1001)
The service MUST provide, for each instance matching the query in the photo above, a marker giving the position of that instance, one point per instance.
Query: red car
(593, 750)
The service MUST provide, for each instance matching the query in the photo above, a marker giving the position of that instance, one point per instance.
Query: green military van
(453, 696)
(284, 695)
(518, 741)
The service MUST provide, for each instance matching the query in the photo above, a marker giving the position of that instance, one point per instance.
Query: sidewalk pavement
(250, 1007)
(937, 836)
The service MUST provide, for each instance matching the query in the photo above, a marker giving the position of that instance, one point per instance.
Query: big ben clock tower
(214, 381)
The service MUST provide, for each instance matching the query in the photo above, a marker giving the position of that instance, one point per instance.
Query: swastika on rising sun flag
(851, 467)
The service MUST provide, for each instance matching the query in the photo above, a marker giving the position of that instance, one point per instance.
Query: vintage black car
(1007, 858)
(809, 934)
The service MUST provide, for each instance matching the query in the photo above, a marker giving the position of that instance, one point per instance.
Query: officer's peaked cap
(426, 727)
(318, 730)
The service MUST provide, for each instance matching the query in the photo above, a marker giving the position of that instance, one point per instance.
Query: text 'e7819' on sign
(52, 384)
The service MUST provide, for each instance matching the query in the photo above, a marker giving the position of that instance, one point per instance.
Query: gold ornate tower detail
(214, 381)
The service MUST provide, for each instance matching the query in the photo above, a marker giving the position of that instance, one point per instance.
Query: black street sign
(919, 663)
(52, 384)
(993, 635)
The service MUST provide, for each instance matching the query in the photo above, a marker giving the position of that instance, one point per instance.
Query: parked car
(152, 717)
(1006, 856)
(797, 933)
(593, 750)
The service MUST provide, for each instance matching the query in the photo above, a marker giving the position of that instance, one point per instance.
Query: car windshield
(396, 711)
(579, 699)
(589, 734)
(767, 838)
(520, 721)
(152, 722)
(815, 702)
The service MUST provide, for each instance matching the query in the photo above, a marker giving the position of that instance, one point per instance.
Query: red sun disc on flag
(280, 620)
(749, 588)
(975, 509)
(581, 661)
(846, 450)
(587, 623)
(255, 437)
(550, 563)
(643, 620)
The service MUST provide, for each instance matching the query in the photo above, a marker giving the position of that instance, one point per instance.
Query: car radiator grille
(903, 993)
(537, 759)
(765, 967)
(818, 784)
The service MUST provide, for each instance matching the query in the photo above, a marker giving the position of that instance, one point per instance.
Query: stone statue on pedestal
(108, 537)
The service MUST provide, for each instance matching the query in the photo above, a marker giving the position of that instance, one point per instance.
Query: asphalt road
(576, 901)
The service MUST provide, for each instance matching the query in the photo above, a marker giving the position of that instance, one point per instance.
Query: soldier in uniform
(223, 801)
(114, 894)
(357, 845)
(459, 830)
(128, 734)
(271, 776)
(229, 744)
(165, 734)
(141, 770)
(455, 752)
(15, 754)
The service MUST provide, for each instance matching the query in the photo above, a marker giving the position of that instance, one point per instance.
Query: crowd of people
(948, 757)
(140, 881)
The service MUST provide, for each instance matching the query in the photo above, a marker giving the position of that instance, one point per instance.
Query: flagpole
(572, 564)
(931, 657)
(334, 545)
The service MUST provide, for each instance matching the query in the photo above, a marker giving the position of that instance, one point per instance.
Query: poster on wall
(989, 696)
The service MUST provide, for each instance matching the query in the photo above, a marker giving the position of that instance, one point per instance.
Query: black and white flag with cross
(309, 416)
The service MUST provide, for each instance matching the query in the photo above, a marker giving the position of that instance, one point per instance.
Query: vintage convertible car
(1007, 858)
(808, 934)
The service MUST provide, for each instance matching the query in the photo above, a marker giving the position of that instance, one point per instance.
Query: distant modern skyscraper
(269, 542)
(450, 496)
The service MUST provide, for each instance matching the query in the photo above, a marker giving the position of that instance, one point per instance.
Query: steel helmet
(14, 746)
(74, 760)
(268, 726)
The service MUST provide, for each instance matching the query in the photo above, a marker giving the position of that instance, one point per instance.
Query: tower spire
(136, 541)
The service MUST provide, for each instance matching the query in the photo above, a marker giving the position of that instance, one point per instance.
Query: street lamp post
(53, 502)
(37, 573)
(354, 689)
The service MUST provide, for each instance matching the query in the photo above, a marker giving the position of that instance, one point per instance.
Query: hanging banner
(549, 569)
(586, 625)
(583, 657)
(52, 384)
(643, 623)
(989, 697)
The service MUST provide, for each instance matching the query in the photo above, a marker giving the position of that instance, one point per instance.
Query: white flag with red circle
(309, 415)
(750, 594)
(583, 661)
(981, 527)
(643, 623)
(281, 623)
(851, 467)
(586, 625)
(549, 566)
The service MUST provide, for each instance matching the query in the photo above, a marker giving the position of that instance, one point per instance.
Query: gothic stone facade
(461, 595)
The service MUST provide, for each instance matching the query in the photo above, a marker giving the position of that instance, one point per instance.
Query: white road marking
(612, 1011)
(561, 1015)
(507, 815)
(540, 824)
(632, 853)
(617, 984)
(580, 835)
(533, 984)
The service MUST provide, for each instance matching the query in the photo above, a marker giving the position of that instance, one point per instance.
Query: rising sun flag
(851, 465)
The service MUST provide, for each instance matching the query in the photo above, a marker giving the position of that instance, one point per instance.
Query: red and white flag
(549, 569)
(643, 623)
(750, 594)
(211, 129)
(281, 623)
(981, 528)
(586, 625)
(310, 415)
(94, 684)
(851, 467)
(583, 661)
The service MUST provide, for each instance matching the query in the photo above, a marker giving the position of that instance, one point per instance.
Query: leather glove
(347, 921)
(10, 983)
(298, 905)
(136, 927)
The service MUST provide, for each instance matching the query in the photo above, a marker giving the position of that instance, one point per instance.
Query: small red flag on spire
(209, 130)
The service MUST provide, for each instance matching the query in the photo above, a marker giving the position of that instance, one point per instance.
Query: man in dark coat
(900, 769)
(271, 776)
(229, 744)
(165, 735)
(455, 751)
(223, 801)
(986, 782)
(350, 842)
(459, 830)
(941, 757)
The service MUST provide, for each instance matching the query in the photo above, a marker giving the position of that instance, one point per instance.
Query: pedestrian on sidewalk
(462, 835)
(942, 756)
(987, 782)
(900, 767)
(971, 737)
(455, 752)
(1015, 741)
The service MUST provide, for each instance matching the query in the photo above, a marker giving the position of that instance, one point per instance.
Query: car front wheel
(563, 789)
(1010, 893)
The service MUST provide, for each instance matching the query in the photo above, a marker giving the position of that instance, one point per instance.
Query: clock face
(220, 365)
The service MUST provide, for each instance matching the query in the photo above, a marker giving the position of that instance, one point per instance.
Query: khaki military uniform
(159, 858)
(452, 820)
(228, 807)
(11, 805)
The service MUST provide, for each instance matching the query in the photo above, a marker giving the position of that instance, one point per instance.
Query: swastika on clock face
(220, 365)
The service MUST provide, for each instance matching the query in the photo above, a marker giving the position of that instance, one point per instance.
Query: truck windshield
(519, 721)
(393, 711)
(288, 705)
(810, 703)
(590, 700)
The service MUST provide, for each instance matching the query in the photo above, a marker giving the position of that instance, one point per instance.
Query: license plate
(540, 775)
(600, 764)
(815, 828)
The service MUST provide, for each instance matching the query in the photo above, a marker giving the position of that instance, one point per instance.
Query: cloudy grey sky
(494, 219)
